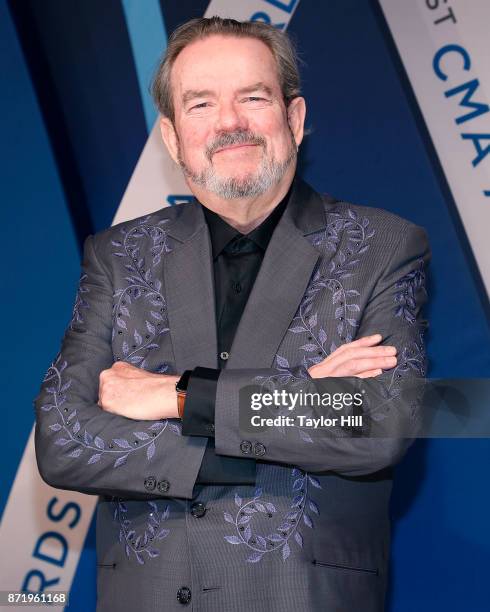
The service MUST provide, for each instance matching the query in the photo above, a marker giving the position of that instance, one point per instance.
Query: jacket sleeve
(392, 400)
(83, 448)
(198, 418)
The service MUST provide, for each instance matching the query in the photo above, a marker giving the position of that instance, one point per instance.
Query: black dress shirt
(237, 259)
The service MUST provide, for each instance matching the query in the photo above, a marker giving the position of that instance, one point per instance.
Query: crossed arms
(106, 428)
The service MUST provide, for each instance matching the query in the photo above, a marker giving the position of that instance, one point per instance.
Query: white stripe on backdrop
(446, 54)
(25, 520)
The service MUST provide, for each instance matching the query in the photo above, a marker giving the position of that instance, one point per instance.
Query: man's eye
(200, 105)
(254, 99)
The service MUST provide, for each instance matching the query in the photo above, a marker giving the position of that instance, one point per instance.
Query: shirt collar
(222, 232)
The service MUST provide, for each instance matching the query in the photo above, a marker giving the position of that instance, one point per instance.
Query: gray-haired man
(259, 279)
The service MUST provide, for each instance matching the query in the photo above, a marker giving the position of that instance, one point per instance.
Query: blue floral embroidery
(412, 358)
(138, 544)
(285, 375)
(141, 286)
(80, 303)
(405, 297)
(70, 428)
(305, 321)
(286, 531)
(341, 267)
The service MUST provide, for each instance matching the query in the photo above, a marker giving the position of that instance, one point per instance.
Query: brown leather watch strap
(180, 403)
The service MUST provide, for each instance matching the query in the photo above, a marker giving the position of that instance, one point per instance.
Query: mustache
(234, 138)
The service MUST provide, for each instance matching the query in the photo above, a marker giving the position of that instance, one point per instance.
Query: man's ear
(169, 137)
(296, 118)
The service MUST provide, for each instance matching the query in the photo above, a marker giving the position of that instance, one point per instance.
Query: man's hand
(137, 394)
(360, 358)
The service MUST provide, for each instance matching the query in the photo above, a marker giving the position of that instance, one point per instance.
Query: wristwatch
(181, 388)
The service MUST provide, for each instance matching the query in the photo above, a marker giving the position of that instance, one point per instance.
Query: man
(258, 280)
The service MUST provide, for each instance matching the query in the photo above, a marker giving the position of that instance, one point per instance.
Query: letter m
(469, 89)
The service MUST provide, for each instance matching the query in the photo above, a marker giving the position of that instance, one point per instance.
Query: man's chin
(237, 179)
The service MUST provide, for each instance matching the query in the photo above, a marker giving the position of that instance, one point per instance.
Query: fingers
(356, 360)
(370, 373)
(364, 341)
(366, 353)
(373, 338)
(353, 367)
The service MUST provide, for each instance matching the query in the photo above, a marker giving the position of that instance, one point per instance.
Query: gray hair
(278, 42)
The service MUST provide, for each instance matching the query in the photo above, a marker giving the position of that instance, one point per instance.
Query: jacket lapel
(189, 291)
(281, 282)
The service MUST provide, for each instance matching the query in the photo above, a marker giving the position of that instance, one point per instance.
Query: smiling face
(232, 134)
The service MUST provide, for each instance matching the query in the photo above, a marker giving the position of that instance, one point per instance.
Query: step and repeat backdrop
(397, 94)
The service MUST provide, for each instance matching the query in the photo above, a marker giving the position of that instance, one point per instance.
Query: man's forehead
(244, 62)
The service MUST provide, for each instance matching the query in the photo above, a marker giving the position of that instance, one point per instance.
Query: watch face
(183, 381)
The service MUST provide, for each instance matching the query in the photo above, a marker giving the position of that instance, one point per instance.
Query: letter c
(450, 49)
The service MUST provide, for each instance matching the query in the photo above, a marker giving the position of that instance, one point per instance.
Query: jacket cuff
(198, 419)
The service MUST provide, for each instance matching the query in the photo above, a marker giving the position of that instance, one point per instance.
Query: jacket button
(245, 446)
(259, 449)
(150, 483)
(184, 595)
(163, 486)
(198, 509)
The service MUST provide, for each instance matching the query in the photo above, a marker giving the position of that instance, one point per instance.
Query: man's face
(231, 134)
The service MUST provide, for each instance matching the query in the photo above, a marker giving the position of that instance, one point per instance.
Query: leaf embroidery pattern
(405, 297)
(286, 375)
(286, 530)
(142, 285)
(342, 266)
(142, 543)
(70, 429)
(412, 359)
(80, 303)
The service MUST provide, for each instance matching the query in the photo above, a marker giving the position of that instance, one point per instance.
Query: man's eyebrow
(190, 94)
(260, 86)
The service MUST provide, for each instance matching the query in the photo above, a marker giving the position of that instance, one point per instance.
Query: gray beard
(268, 175)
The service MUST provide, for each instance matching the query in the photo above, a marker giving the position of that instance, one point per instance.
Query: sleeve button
(259, 449)
(150, 483)
(163, 486)
(245, 446)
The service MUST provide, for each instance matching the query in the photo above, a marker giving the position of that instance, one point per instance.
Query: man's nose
(230, 117)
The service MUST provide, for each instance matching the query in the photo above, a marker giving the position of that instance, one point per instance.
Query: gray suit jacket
(313, 533)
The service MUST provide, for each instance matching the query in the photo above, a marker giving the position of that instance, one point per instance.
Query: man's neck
(245, 214)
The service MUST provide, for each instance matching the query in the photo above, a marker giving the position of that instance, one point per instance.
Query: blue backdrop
(75, 119)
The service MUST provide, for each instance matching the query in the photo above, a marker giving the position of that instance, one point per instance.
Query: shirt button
(238, 287)
(245, 446)
(163, 486)
(259, 449)
(224, 355)
(184, 595)
(198, 510)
